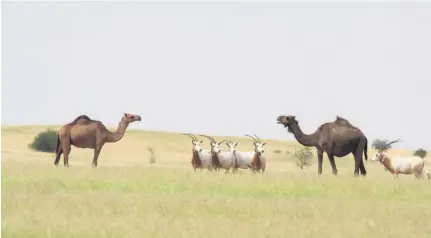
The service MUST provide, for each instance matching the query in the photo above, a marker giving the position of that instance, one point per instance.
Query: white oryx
(401, 164)
(224, 160)
(254, 160)
(200, 158)
(232, 155)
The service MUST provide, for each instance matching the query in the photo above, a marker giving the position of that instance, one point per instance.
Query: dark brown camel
(84, 132)
(338, 138)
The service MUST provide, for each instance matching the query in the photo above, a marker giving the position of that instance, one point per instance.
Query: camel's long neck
(116, 136)
(303, 139)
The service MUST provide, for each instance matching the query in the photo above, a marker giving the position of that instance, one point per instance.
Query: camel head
(231, 146)
(380, 156)
(258, 145)
(214, 145)
(129, 118)
(195, 142)
(287, 121)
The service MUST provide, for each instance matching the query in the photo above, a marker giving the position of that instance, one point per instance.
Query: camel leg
(66, 151)
(96, 154)
(362, 168)
(333, 165)
(319, 161)
(359, 163)
(58, 155)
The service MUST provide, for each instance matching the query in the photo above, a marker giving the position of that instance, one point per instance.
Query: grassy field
(127, 197)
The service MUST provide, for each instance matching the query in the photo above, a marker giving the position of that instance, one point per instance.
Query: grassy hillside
(127, 197)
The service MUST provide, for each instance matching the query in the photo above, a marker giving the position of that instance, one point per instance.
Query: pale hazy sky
(221, 68)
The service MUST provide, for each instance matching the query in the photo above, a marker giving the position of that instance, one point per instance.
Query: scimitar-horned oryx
(200, 158)
(258, 161)
(232, 154)
(253, 160)
(401, 164)
(219, 159)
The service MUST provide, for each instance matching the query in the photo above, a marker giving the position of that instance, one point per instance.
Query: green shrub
(380, 143)
(420, 152)
(45, 141)
(303, 157)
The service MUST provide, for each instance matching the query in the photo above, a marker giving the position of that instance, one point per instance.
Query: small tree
(421, 153)
(152, 156)
(378, 144)
(45, 141)
(303, 157)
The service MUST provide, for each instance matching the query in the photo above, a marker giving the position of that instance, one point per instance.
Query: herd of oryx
(216, 159)
(337, 139)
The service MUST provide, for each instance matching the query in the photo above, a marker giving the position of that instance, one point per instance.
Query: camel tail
(366, 149)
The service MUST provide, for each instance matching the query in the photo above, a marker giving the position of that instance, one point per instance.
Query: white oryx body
(206, 160)
(219, 159)
(201, 159)
(254, 160)
(243, 159)
(227, 160)
(402, 164)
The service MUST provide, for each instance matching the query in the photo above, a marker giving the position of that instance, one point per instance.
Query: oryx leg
(428, 173)
(419, 174)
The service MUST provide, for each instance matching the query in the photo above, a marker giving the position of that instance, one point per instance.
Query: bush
(303, 157)
(152, 156)
(45, 141)
(421, 153)
(378, 144)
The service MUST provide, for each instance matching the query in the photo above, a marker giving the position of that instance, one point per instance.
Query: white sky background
(221, 68)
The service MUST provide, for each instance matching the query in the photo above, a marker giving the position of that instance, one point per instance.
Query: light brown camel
(84, 132)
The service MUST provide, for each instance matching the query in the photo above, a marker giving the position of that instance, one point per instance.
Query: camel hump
(81, 117)
(342, 121)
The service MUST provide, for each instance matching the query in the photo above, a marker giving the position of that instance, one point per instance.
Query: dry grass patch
(127, 197)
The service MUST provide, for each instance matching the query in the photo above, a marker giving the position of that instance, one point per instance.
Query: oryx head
(195, 142)
(214, 145)
(258, 145)
(232, 146)
(380, 156)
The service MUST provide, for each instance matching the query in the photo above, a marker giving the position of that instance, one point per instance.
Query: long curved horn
(221, 141)
(190, 135)
(251, 137)
(257, 138)
(210, 138)
(390, 143)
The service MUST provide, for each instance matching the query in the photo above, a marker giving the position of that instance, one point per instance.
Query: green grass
(127, 197)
